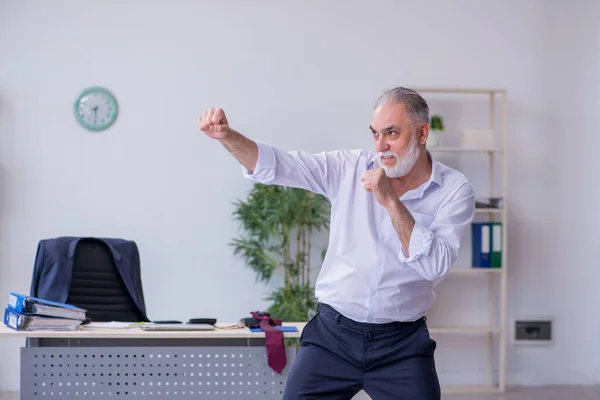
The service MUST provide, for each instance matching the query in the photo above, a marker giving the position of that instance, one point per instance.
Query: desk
(135, 364)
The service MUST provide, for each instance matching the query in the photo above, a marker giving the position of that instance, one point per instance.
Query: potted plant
(436, 126)
(278, 224)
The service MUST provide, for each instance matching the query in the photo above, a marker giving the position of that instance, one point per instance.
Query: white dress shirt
(366, 275)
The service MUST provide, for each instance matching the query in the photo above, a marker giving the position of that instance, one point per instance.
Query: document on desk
(113, 325)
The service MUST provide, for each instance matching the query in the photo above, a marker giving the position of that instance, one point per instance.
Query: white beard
(403, 164)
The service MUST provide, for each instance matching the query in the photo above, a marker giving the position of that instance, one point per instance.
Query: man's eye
(374, 133)
(392, 133)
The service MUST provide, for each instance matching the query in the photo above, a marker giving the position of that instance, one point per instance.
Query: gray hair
(416, 106)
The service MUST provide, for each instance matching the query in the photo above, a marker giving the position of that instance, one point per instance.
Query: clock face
(96, 109)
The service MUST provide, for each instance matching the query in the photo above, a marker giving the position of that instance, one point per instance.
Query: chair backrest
(97, 286)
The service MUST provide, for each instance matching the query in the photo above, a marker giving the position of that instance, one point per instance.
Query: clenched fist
(214, 123)
(377, 182)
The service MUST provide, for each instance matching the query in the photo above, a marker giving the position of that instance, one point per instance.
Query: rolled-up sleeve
(265, 166)
(421, 240)
(433, 249)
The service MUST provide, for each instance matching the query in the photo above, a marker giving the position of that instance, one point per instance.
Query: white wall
(299, 76)
(560, 200)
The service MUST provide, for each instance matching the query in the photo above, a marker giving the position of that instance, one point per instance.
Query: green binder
(496, 251)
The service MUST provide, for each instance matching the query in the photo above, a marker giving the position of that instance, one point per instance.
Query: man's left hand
(376, 181)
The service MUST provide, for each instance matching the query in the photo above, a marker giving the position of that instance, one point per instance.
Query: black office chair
(97, 286)
(83, 271)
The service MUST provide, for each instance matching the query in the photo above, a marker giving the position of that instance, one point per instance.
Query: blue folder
(31, 322)
(281, 328)
(481, 238)
(32, 305)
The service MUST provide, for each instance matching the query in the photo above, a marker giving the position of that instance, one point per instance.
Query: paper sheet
(113, 325)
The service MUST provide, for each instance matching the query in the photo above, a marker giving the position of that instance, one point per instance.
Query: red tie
(274, 342)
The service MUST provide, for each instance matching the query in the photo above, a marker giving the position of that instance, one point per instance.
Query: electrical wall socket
(533, 332)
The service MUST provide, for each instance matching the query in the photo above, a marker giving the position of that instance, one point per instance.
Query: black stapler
(203, 321)
(250, 321)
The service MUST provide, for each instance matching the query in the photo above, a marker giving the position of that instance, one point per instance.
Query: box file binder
(487, 244)
(481, 238)
(30, 322)
(33, 305)
(496, 251)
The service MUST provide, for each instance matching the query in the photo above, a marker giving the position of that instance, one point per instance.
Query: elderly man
(398, 220)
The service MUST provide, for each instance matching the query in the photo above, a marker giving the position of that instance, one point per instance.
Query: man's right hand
(213, 123)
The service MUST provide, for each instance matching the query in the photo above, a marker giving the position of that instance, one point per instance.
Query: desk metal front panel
(144, 342)
(130, 372)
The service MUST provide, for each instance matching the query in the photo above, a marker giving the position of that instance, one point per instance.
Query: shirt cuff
(265, 166)
(421, 240)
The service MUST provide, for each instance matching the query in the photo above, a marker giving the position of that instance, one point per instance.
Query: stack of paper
(30, 313)
(114, 325)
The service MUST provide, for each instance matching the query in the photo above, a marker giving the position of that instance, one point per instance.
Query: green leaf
(256, 257)
(290, 305)
(437, 123)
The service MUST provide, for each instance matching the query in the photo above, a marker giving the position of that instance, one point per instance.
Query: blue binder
(481, 242)
(30, 322)
(32, 305)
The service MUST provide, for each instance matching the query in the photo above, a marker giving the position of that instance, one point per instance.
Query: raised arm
(318, 173)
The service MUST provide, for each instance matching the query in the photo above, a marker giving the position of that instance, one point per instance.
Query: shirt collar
(436, 172)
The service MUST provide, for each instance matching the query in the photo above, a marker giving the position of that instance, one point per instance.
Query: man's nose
(381, 145)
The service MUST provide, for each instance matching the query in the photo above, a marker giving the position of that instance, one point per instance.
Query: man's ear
(423, 132)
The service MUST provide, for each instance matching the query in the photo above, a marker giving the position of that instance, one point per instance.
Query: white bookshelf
(496, 327)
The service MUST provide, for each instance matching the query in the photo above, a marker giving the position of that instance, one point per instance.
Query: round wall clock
(96, 109)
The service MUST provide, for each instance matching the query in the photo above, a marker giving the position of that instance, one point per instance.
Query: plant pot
(433, 139)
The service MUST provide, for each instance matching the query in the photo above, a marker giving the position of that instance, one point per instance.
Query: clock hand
(95, 115)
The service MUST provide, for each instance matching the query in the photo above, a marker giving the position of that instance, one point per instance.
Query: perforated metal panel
(150, 372)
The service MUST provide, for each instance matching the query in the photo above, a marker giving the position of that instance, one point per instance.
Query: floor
(539, 393)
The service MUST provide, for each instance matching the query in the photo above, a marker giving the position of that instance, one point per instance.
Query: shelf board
(474, 271)
(461, 330)
(458, 90)
(489, 210)
(470, 389)
(465, 149)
